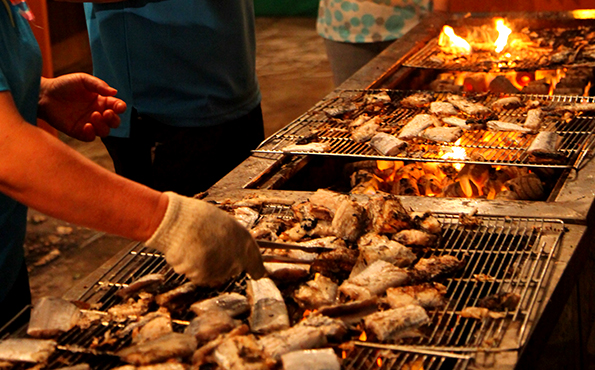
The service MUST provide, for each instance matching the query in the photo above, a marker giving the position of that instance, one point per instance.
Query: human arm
(79, 105)
(40, 171)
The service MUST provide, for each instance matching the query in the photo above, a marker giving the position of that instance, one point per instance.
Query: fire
(503, 33)
(363, 337)
(379, 362)
(449, 39)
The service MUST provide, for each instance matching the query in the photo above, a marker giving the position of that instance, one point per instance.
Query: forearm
(44, 173)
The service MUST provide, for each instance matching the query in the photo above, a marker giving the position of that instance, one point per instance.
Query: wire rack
(480, 146)
(501, 254)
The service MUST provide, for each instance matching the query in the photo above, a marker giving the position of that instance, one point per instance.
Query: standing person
(38, 170)
(188, 72)
(355, 31)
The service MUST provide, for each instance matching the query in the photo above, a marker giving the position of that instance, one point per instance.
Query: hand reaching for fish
(204, 243)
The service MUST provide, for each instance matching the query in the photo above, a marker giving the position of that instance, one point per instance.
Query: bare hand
(80, 105)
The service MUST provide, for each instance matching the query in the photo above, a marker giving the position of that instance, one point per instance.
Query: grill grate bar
(496, 148)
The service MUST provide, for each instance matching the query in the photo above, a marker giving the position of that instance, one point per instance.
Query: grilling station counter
(556, 233)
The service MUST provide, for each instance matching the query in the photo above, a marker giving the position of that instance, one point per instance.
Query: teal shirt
(186, 63)
(20, 73)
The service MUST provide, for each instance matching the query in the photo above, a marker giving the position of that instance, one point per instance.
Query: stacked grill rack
(502, 255)
(495, 148)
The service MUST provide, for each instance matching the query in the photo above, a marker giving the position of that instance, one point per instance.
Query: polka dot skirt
(358, 21)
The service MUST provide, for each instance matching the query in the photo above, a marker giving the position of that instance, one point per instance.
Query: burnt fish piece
(52, 316)
(26, 349)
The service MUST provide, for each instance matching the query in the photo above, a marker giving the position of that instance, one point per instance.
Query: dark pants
(16, 300)
(187, 160)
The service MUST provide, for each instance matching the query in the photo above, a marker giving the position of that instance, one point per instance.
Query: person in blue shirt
(187, 71)
(38, 170)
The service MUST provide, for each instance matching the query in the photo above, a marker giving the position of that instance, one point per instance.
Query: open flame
(503, 33)
(448, 39)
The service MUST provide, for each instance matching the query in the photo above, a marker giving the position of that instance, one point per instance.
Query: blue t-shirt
(185, 63)
(20, 72)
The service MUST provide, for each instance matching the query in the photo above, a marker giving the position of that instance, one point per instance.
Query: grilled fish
(234, 304)
(417, 124)
(506, 126)
(144, 283)
(386, 214)
(311, 359)
(210, 324)
(396, 322)
(426, 295)
(269, 312)
(415, 237)
(373, 247)
(173, 296)
(442, 134)
(427, 269)
(545, 144)
(321, 291)
(310, 147)
(386, 144)
(159, 350)
(374, 280)
(367, 130)
(350, 220)
(457, 122)
(442, 108)
(417, 100)
(507, 103)
(241, 352)
(280, 271)
(467, 106)
(533, 120)
(52, 316)
(26, 349)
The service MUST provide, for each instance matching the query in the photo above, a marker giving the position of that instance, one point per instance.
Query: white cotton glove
(204, 243)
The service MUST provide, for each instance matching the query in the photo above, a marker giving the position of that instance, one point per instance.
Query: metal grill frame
(577, 134)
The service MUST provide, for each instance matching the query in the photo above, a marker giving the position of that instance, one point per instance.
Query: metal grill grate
(497, 148)
(502, 255)
(429, 57)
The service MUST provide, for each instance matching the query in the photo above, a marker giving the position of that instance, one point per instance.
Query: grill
(537, 258)
(496, 148)
(502, 254)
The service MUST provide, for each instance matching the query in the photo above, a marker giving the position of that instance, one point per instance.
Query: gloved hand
(205, 243)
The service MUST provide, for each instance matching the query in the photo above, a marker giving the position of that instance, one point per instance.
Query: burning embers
(446, 180)
(498, 46)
